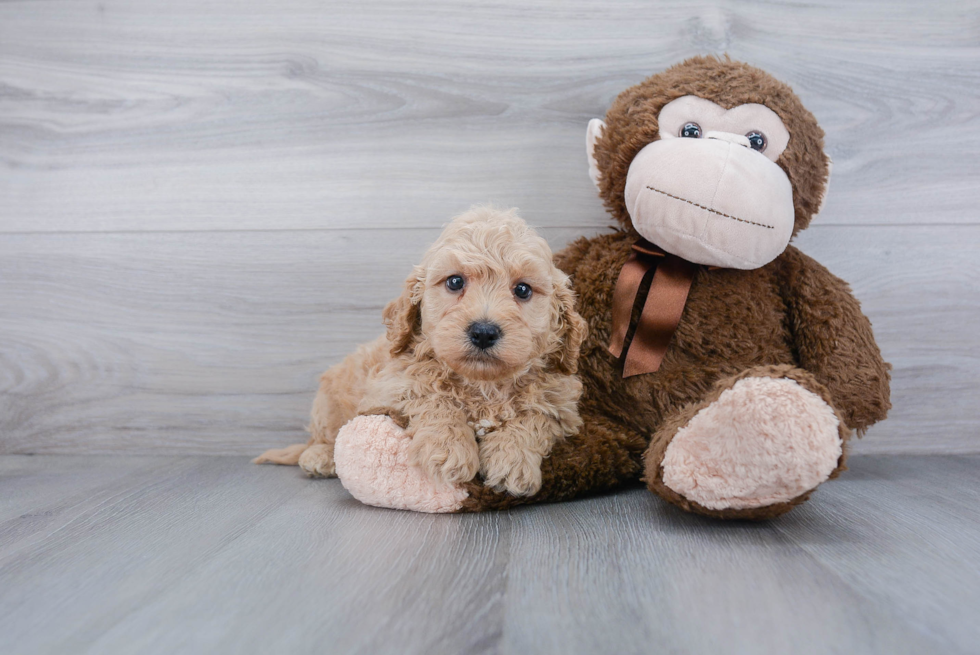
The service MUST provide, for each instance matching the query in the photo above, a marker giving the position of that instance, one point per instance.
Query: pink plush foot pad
(371, 455)
(764, 441)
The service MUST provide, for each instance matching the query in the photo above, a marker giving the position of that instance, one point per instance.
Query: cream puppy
(478, 362)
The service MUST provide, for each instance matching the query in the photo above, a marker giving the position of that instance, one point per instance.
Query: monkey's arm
(834, 341)
(602, 456)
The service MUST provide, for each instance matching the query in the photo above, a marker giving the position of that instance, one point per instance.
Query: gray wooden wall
(204, 204)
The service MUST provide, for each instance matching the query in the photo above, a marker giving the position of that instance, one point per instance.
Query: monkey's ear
(826, 185)
(593, 134)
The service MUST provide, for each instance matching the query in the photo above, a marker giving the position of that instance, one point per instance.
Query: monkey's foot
(755, 451)
(371, 457)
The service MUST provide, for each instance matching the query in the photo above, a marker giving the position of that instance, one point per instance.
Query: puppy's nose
(484, 335)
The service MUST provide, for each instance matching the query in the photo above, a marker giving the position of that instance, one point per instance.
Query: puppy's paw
(449, 460)
(507, 468)
(317, 461)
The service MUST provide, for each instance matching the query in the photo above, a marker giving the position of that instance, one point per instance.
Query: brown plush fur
(497, 411)
(791, 318)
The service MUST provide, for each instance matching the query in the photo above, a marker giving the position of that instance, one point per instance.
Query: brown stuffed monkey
(723, 366)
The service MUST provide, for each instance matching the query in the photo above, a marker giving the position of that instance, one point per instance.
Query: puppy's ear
(402, 316)
(569, 328)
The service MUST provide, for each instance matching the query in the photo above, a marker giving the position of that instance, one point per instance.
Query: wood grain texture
(205, 342)
(932, 554)
(28, 483)
(211, 342)
(316, 114)
(204, 205)
(204, 555)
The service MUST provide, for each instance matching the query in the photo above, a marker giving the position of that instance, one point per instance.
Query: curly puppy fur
(497, 411)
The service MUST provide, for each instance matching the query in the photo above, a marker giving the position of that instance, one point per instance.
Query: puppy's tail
(288, 456)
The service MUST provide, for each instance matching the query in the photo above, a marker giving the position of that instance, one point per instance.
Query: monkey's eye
(691, 130)
(455, 282)
(757, 140)
(522, 290)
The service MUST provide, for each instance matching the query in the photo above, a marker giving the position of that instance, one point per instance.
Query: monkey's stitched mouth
(713, 211)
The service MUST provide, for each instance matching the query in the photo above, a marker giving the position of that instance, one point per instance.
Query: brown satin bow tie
(662, 309)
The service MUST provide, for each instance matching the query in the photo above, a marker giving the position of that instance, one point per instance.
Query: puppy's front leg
(443, 445)
(510, 458)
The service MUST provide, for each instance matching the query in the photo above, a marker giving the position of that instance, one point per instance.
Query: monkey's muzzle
(712, 201)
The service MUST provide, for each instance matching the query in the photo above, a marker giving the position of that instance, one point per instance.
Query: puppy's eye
(455, 282)
(691, 130)
(522, 290)
(757, 140)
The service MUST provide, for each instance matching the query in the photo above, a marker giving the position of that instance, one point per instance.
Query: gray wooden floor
(199, 554)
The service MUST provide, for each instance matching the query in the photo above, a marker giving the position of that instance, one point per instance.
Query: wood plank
(385, 114)
(50, 487)
(324, 569)
(120, 553)
(216, 555)
(58, 507)
(903, 534)
(211, 343)
(629, 573)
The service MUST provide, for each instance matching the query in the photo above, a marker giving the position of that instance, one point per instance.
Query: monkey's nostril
(483, 335)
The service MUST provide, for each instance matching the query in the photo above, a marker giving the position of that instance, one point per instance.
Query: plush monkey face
(708, 189)
(695, 163)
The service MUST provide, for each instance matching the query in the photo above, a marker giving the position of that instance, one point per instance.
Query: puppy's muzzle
(484, 334)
